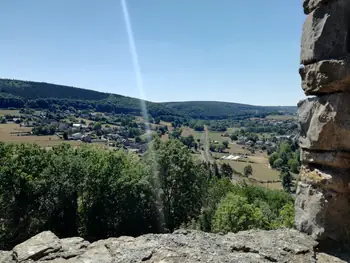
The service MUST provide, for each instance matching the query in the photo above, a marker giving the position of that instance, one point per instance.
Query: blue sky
(224, 50)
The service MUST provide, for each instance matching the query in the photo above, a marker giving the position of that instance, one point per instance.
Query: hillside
(221, 110)
(18, 93)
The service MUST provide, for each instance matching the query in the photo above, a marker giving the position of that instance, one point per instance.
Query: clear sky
(243, 51)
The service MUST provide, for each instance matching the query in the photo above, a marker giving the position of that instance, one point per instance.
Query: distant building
(86, 138)
(281, 137)
(77, 136)
(63, 127)
(77, 125)
(249, 143)
(240, 142)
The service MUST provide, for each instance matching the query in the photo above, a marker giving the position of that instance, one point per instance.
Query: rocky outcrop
(182, 246)
(326, 76)
(322, 207)
(325, 33)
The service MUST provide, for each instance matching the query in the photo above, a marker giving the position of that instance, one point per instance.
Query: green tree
(97, 126)
(293, 165)
(286, 216)
(180, 182)
(285, 147)
(286, 181)
(220, 147)
(157, 120)
(138, 139)
(248, 170)
(273, 157)
(218, 188)
(226, 170)
(234, 214)
(225, 143)
(21, 192)
(117, 200)
(278, 163)
(65, 136)
(176, 133)
(188, 141)
(234, 137)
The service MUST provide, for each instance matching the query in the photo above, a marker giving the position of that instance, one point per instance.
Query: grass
(281, 117)
(9, 133)
(9, 112)
(231, 130)
(216, 136)
(260, 171)
(165, 137)
(186, 131)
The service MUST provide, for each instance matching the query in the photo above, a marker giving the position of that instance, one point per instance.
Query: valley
(218, 133)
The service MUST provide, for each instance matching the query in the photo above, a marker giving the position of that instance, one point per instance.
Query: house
(77, 125)
(240, 142)
(17, 120)
(86, 138)
(249, 143)
(77, 136)
(63, 127)
(259, 142)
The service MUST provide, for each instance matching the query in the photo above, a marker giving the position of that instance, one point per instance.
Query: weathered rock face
(326, 76)
(310, 5)
(325, 33)
(182, 246)
(324, 122)
(323, 197)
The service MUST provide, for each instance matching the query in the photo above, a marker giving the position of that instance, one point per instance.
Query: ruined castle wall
(323, 196)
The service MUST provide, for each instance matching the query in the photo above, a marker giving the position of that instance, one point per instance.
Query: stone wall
(182, 246)
(323, 195)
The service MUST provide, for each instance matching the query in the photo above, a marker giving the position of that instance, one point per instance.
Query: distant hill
(18, 93)
(221, 110)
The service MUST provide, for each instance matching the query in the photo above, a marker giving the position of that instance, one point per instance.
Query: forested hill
(37, 90)
(220, 110)
(18, 94)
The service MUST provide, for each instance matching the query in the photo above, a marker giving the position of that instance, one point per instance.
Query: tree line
(98, 193)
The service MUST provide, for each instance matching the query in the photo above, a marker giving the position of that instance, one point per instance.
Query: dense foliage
(97, 193)
(286, 157)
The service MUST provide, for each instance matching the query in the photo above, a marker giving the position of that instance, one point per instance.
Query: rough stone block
(324, 122)
(311, 5)
(325, 33)
(324, 214)
(37, 247)
(326, 76)
(326, 178)
(335, 159)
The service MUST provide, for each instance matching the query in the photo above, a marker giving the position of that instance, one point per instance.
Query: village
(74, 128)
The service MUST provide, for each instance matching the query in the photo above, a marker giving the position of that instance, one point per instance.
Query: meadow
(11, 132)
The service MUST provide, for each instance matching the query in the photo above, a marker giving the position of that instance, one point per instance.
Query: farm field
(281, 117)
(9, 131)
(260, 171)
(231, 130)
(165, 123)
(9, 112)
(186, 131)
(216, 136)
